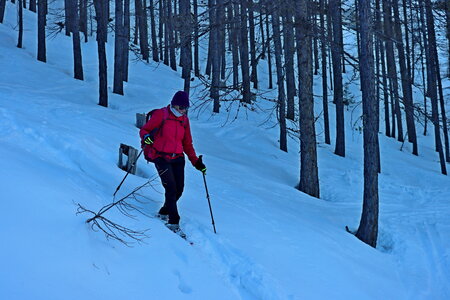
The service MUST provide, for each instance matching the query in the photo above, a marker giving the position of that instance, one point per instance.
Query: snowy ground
(59, 148)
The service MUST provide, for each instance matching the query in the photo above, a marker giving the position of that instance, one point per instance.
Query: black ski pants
(172, 178)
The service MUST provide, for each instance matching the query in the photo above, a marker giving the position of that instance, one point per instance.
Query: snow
(59, 148)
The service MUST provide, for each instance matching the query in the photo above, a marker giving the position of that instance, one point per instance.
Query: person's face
(181, 109)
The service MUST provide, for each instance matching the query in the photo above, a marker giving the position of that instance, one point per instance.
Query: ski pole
(209, 203)
(128, 172)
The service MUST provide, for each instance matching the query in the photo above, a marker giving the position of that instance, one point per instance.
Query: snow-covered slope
(59, 148)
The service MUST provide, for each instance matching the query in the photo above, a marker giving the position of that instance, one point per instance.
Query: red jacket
(171, 139)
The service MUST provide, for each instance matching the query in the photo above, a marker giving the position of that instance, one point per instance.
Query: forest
(402, 58)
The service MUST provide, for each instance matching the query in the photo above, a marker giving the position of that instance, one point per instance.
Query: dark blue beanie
(180, 98)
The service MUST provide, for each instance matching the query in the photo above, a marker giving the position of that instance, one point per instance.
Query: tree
(215, 53)
(20, 40)
(155, 54)
(119, 49)
(281, 105)
(2, 10)
(431, 64)
(288, 34)
(41, 43)
(323, 52)
(406, 79)
(102, 22)
(77, 57)
(243, 47)
(368, 227)
(186, 43)
(336, 57)
(309, 176)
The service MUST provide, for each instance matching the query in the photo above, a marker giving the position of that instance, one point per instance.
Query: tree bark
(77, 56)
(83, 19)
(288, 34)
(2, 10)
(406, 80)
(196, 44)
(215, 54)
(323, 51)
(269, 58)
(336, 56)
(254, 63)
(186, 43)
(119, 49)
(309, 177)
(172, 44)
(280, 74)
(243, 47)
(155, 53)
(20, 39)
(102, 22)
(32, 6)
(392, 69)
(431, 64)
(42, 50)
(368, 226)
(126, 38)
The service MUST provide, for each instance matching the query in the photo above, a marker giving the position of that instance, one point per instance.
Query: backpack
(165, 117)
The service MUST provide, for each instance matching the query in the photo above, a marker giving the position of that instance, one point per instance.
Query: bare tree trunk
(234, 21)
(261, 27)
(172, 45)
(155, 53)
(211, 8)
(269, 58)
(309, 177)
(385, 91)
(118, 49)
(368, 226)
(336, 56)
(323, 48)
(442, 104)
(126, 39)
(222, 43)
(196, 45)
(288, 34)
(2, 10)
(136, 23)
(215, 53)
(391, 66)
(280, 74)
(447, 15)
(243, 47)
(31, 7)
(254, 63)
(83, 19)
(102, 22)
(20, 40)
(67, 20)
(143, 34)
(381, 61)
(186, 41)
(161, 29)
(77, 57)
(431, 64)
(406, 80)
(42, 15)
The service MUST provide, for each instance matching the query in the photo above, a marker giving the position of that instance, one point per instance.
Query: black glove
(199, 165)
(148, 139)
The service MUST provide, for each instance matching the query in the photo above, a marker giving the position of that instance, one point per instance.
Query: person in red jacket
(165, 138)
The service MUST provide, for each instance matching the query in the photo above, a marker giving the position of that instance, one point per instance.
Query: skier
(165, 138)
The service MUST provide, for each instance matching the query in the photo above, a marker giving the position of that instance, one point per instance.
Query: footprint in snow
(182, 286)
